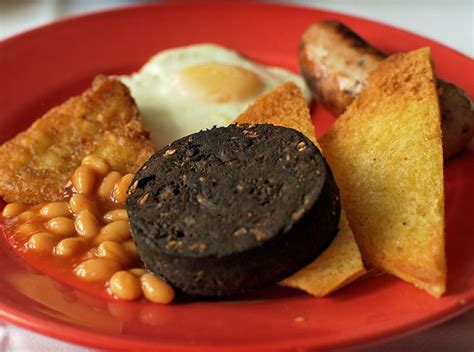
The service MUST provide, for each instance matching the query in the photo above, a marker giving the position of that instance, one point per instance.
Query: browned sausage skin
(336, 63)
(457, 118)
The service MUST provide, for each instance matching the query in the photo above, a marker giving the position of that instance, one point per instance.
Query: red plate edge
(99, 339)
(256, 3)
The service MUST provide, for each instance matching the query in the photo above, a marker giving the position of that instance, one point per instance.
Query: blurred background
(450, 22)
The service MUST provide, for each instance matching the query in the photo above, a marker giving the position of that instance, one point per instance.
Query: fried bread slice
(341, 263)
(386, 154)
(36, 164)
(283, 106)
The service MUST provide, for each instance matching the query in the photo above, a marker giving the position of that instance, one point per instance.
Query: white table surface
(449, 22)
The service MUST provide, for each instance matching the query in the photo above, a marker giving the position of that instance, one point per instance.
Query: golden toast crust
(282, 106)
(386, 155)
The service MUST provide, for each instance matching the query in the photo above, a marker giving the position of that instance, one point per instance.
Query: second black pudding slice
(231, 209)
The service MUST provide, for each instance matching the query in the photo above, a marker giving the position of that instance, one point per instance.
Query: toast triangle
(341, 262)
(386, 155)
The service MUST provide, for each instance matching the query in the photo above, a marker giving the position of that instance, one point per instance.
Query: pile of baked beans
(91, 227)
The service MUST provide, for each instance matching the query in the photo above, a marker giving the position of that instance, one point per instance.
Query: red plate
(43, 67)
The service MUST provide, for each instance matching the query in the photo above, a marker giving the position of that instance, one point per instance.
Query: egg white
(170, 115)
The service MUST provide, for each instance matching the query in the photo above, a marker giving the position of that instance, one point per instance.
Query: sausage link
(336, 63)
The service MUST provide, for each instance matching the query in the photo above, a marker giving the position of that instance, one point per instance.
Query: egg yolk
(219, 83)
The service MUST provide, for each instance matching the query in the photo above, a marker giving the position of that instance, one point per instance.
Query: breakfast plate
(44, 67)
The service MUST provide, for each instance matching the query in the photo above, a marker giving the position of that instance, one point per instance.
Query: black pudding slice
(231, 209)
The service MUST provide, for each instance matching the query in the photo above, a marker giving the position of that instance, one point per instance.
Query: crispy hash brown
(36, 164)
(386, 154)
(341, 262)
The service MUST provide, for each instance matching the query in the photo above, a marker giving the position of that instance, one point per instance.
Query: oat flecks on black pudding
(231, 209)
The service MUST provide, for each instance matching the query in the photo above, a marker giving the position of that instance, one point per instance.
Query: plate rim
(91, 338)
(105, 340)
(178, 3)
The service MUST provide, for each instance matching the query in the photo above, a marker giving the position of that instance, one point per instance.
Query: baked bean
(42, 242)
(131, 248)
(79, 202)
(38, 206)
(51, 228)
(61, 226)
(121, 188)
(117, 231)
(55, 209)
(108, 184)
(114, 251)
(97, 270)
(86, 224)
(70, 246)
(12, 210)
(83, 179)
(90, 254)
(125, 285)
(156, 290)
(138, 271)
(96, 163)
(115, 215)
(29, 228)
(29, 216)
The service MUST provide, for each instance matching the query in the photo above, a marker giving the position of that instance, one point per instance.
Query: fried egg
(184, 90)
